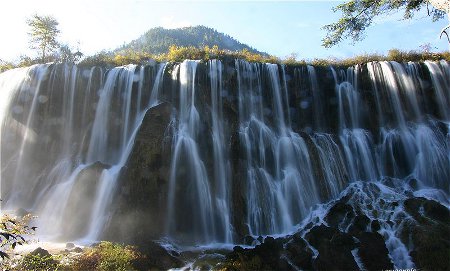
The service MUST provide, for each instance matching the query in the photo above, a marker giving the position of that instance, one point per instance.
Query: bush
(4, 66)
(180, 53)
(106, 256)
(38, 262)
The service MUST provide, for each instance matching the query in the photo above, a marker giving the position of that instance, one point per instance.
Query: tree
(12, 230)
(357, 15)
(65, 54)
(43, 34)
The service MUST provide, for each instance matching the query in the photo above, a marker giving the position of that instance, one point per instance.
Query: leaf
(6, 235)
(3, 255)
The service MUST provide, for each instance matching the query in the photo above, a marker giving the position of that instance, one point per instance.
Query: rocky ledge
(370, 227)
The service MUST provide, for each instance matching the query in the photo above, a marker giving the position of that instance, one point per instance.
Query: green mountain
(157, 40)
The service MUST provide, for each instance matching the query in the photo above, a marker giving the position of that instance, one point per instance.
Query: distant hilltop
(158, 40)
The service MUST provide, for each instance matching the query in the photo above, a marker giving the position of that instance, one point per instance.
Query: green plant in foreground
(106, 256)
(38, 262)
(12, 230)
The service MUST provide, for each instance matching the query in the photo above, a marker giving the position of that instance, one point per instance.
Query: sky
(280, 28)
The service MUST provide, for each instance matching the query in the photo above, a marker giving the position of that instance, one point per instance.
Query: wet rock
(266, 256)
(334, 249)
(427, 234)
(431, 248)
(207, 261)
(155, 257)
(414, 183)
(21, 212)
(340, 213)
(360, 224)
(70, 245)
(249, 240)
(260, 239)
(425, 231)
(436, 211)
(375, 225)
(299, 253)
(40, 252)
(373, 252)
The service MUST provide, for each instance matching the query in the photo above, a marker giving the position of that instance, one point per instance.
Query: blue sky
(276, 27)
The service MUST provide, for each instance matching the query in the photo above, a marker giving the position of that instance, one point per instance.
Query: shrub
(180, 53)
(106, 256)
(4, 66)
(38, 262)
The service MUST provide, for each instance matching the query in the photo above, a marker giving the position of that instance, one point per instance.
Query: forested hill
(157, 40)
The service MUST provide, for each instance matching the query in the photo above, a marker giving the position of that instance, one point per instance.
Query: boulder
(361, 223)
(40, 252)
(335, 249)
(373, 252)
(340, 213)
(70, 245)
(427, 233)
(266, 256)
(155, 257)
(299, 253)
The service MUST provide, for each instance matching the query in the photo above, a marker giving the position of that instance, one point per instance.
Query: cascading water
(188, 171)
(87, 133)
(252, 147)
(280, 183)
(222, 170)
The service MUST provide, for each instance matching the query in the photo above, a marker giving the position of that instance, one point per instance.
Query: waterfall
(189, 183)
(11, 83)
(251, 148)
(439, 75)
(222, 170)
(72, 150)
(280, 183)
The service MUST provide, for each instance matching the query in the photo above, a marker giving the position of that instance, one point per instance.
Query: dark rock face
(299, 253)
(373, 252)
(334, 249)
(155, 257)
(141, 198)
(339, 213)
(429, 233)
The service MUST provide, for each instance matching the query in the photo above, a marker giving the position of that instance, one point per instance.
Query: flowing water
(82, 122)
(254, 147)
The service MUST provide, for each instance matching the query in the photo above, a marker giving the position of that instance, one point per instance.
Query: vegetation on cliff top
(178, 54)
